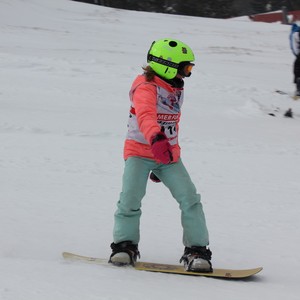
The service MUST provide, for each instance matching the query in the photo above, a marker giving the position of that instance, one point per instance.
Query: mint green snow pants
(176, 178)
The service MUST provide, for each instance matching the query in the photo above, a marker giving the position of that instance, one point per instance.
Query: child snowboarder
(151, 147)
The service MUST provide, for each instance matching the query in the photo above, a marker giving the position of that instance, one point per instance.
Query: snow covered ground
(65, 72)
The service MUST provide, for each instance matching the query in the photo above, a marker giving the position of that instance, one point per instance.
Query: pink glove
(154, 178)
(161, 148)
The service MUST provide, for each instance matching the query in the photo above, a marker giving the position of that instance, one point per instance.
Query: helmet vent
(172, 44)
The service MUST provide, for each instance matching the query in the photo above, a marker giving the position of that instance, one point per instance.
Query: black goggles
(185, 68)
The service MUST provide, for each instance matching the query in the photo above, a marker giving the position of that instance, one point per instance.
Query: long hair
(149, 73)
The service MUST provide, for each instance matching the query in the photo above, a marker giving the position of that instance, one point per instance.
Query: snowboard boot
(197, 259)
(124, 253)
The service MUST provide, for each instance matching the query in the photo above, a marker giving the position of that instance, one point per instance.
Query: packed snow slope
(65, 72)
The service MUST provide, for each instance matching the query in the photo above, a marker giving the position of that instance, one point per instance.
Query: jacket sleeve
(294, 42)
(144, 99)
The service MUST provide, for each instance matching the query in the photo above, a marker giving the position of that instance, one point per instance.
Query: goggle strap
(162, 61)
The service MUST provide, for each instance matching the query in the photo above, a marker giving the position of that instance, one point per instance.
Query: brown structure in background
(281, 16)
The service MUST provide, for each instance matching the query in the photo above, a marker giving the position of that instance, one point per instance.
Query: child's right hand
(161, 148)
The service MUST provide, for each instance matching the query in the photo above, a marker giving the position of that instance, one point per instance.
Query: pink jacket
(155, 107)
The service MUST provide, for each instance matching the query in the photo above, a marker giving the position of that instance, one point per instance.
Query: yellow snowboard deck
(172, 269)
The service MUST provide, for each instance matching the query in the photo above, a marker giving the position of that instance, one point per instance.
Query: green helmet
(165, 56)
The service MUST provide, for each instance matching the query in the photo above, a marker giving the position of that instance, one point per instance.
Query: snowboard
(293, 96)
(171, 269)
